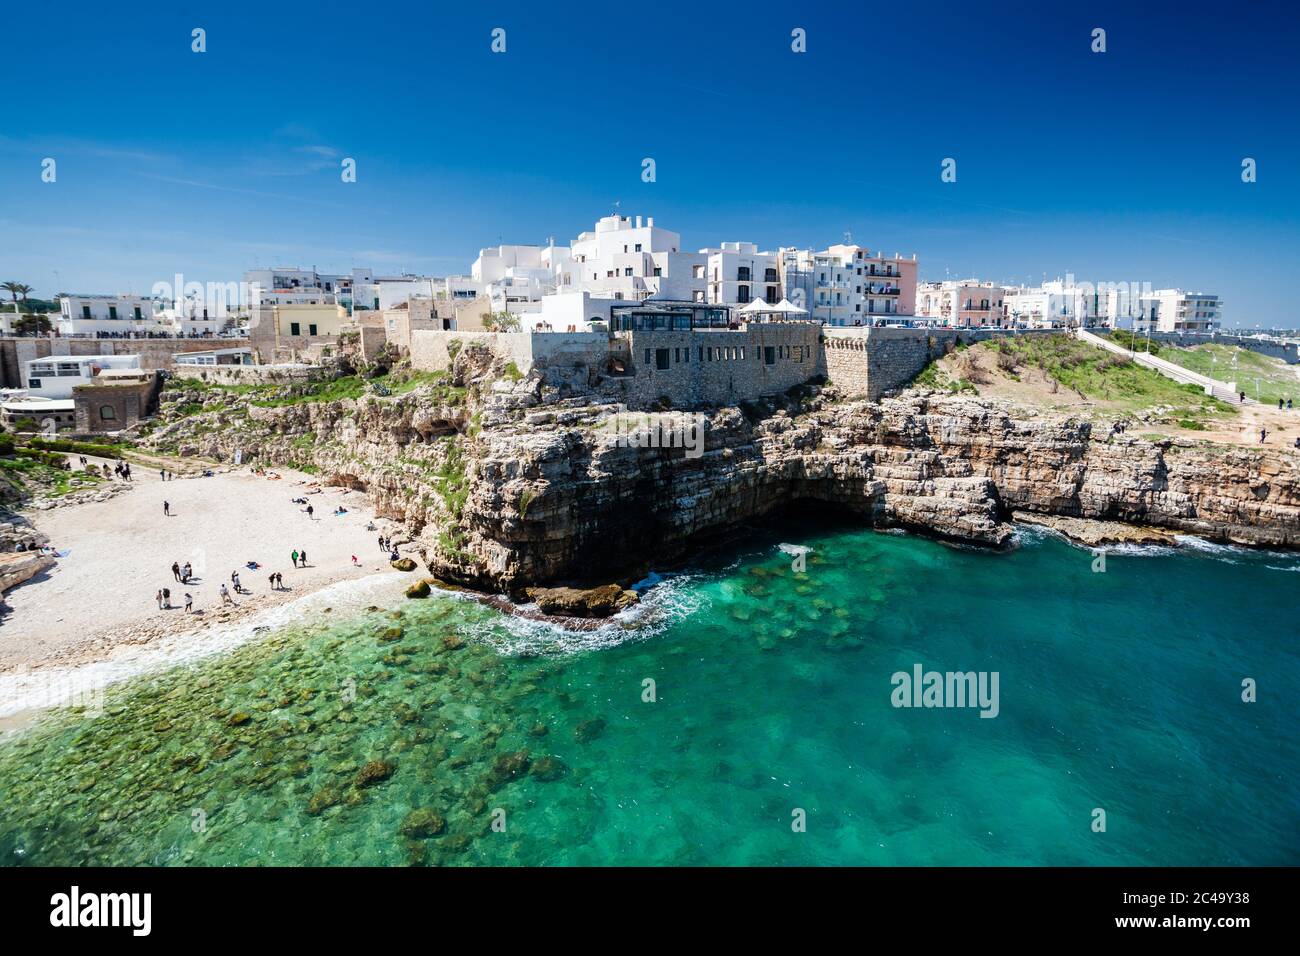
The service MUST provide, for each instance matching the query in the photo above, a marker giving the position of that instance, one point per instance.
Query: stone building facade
(112, 406)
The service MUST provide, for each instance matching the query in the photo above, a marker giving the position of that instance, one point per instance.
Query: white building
(628, 257)
(849, 284)
(1179, 311)
(737, 274)
(110, 315)
(1059, 304)
(55, 376)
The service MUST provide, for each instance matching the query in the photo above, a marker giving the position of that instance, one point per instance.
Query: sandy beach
(100, 597)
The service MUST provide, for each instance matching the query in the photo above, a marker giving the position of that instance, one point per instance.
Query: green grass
(1276, 379)
(31, 473)
(936, 377)
(1105, 376)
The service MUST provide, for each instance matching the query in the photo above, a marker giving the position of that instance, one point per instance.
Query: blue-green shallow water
(1118, 690)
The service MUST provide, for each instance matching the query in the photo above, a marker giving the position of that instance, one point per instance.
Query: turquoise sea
(401, 735)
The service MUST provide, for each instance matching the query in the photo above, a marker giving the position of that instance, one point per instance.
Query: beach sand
(101, 596)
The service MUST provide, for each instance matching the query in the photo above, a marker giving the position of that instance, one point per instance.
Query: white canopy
(784, 307)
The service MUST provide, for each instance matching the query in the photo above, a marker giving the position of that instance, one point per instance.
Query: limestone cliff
(513, 486)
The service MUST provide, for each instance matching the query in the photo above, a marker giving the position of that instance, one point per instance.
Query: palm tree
(16, 289)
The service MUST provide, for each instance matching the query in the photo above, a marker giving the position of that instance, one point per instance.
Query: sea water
(741, 714)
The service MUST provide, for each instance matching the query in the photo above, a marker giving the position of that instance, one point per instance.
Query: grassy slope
(1112, 381)
(1276, 378)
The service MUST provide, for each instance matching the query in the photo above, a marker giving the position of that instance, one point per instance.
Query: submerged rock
(374, 772)
(420, 589)
(423, 823)
(549, 768)
(508, 767)
(322, 800)
(589, 729)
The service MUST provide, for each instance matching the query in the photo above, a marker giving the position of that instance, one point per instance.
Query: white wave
(670, 601)
(61, 686)
(794, 549)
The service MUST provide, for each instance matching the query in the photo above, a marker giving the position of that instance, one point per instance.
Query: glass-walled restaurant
(668, 317)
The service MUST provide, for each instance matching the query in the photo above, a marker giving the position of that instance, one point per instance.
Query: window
(85, 311)
(295, 328)
(769, 355)
(661, 359)
(769, 275)
(138, 316)
(638, 247)
(743, 293)
(700, 356)
(311, 330)
(627, 270)
(112, 312)
(647, 356)
(710, 353)
(33, 382)
(742, 273)
(658, 271)
(106, 413)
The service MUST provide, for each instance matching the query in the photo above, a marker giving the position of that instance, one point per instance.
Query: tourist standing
(176, 570)
(188, 573)
(225, 595)
(167, 508)
(167, 598)
(302, 556)
(158, 598)
(189, 602)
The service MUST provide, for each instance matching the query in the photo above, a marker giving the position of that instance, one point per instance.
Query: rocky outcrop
(16, 567)
(519, 487)
(600, 601)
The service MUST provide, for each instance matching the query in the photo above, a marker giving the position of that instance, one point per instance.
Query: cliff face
(507, 490)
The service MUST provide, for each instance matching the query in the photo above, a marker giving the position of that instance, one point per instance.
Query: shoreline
(99, 598)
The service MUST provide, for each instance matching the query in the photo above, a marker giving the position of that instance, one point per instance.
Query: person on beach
(1243, 398)
(158, 598)
(355, 562)
(176, 571)
(271, 579)
(189, 602)
(167, 508)
(167, 599)
(293, 558)
(187, 572)
(225, 595)
(303, 557)
(310, 511)
(381, 543)
(1288, 404)
(1263, 433)
(234, 579)
(162, 474)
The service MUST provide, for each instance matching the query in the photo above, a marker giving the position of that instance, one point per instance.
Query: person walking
(167, 508)
(310, 511)
(302, 555)
(1243, 398)
(1279, 404)
(381, 543)
(1288, 404)
(162, 474)
(167, 598)
(271, 580)
(1263, 433)
(293, 558)
(234, 579)
(176, 570)
(225, 595)
(189, 602)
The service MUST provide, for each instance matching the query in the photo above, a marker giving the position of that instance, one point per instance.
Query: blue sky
(1122, 166)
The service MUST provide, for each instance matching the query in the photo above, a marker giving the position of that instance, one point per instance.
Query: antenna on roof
(848, 237)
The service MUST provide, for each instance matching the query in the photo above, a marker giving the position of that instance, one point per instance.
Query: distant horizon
(1122, 166)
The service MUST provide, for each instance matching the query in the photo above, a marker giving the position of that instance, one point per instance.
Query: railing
(1212, 386)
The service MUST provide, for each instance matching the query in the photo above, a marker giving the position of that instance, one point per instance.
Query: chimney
(650, 221)
(638, 222)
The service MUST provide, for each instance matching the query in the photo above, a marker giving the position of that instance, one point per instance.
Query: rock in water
(582, 602)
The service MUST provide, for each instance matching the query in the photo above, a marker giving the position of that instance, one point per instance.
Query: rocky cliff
(509, 485)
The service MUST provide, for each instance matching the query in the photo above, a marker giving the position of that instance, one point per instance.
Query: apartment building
(112, 315)
(961, 303)
(849, 284)
(1174, 310)
(738, 273)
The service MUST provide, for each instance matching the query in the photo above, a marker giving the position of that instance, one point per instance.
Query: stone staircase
(1224, 391)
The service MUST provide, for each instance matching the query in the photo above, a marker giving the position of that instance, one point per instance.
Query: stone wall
(716, 367)
(874, 362)
(253, 374)
(154, 353)
(429, 348)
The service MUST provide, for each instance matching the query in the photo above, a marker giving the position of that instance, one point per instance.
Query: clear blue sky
(1123, 166)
